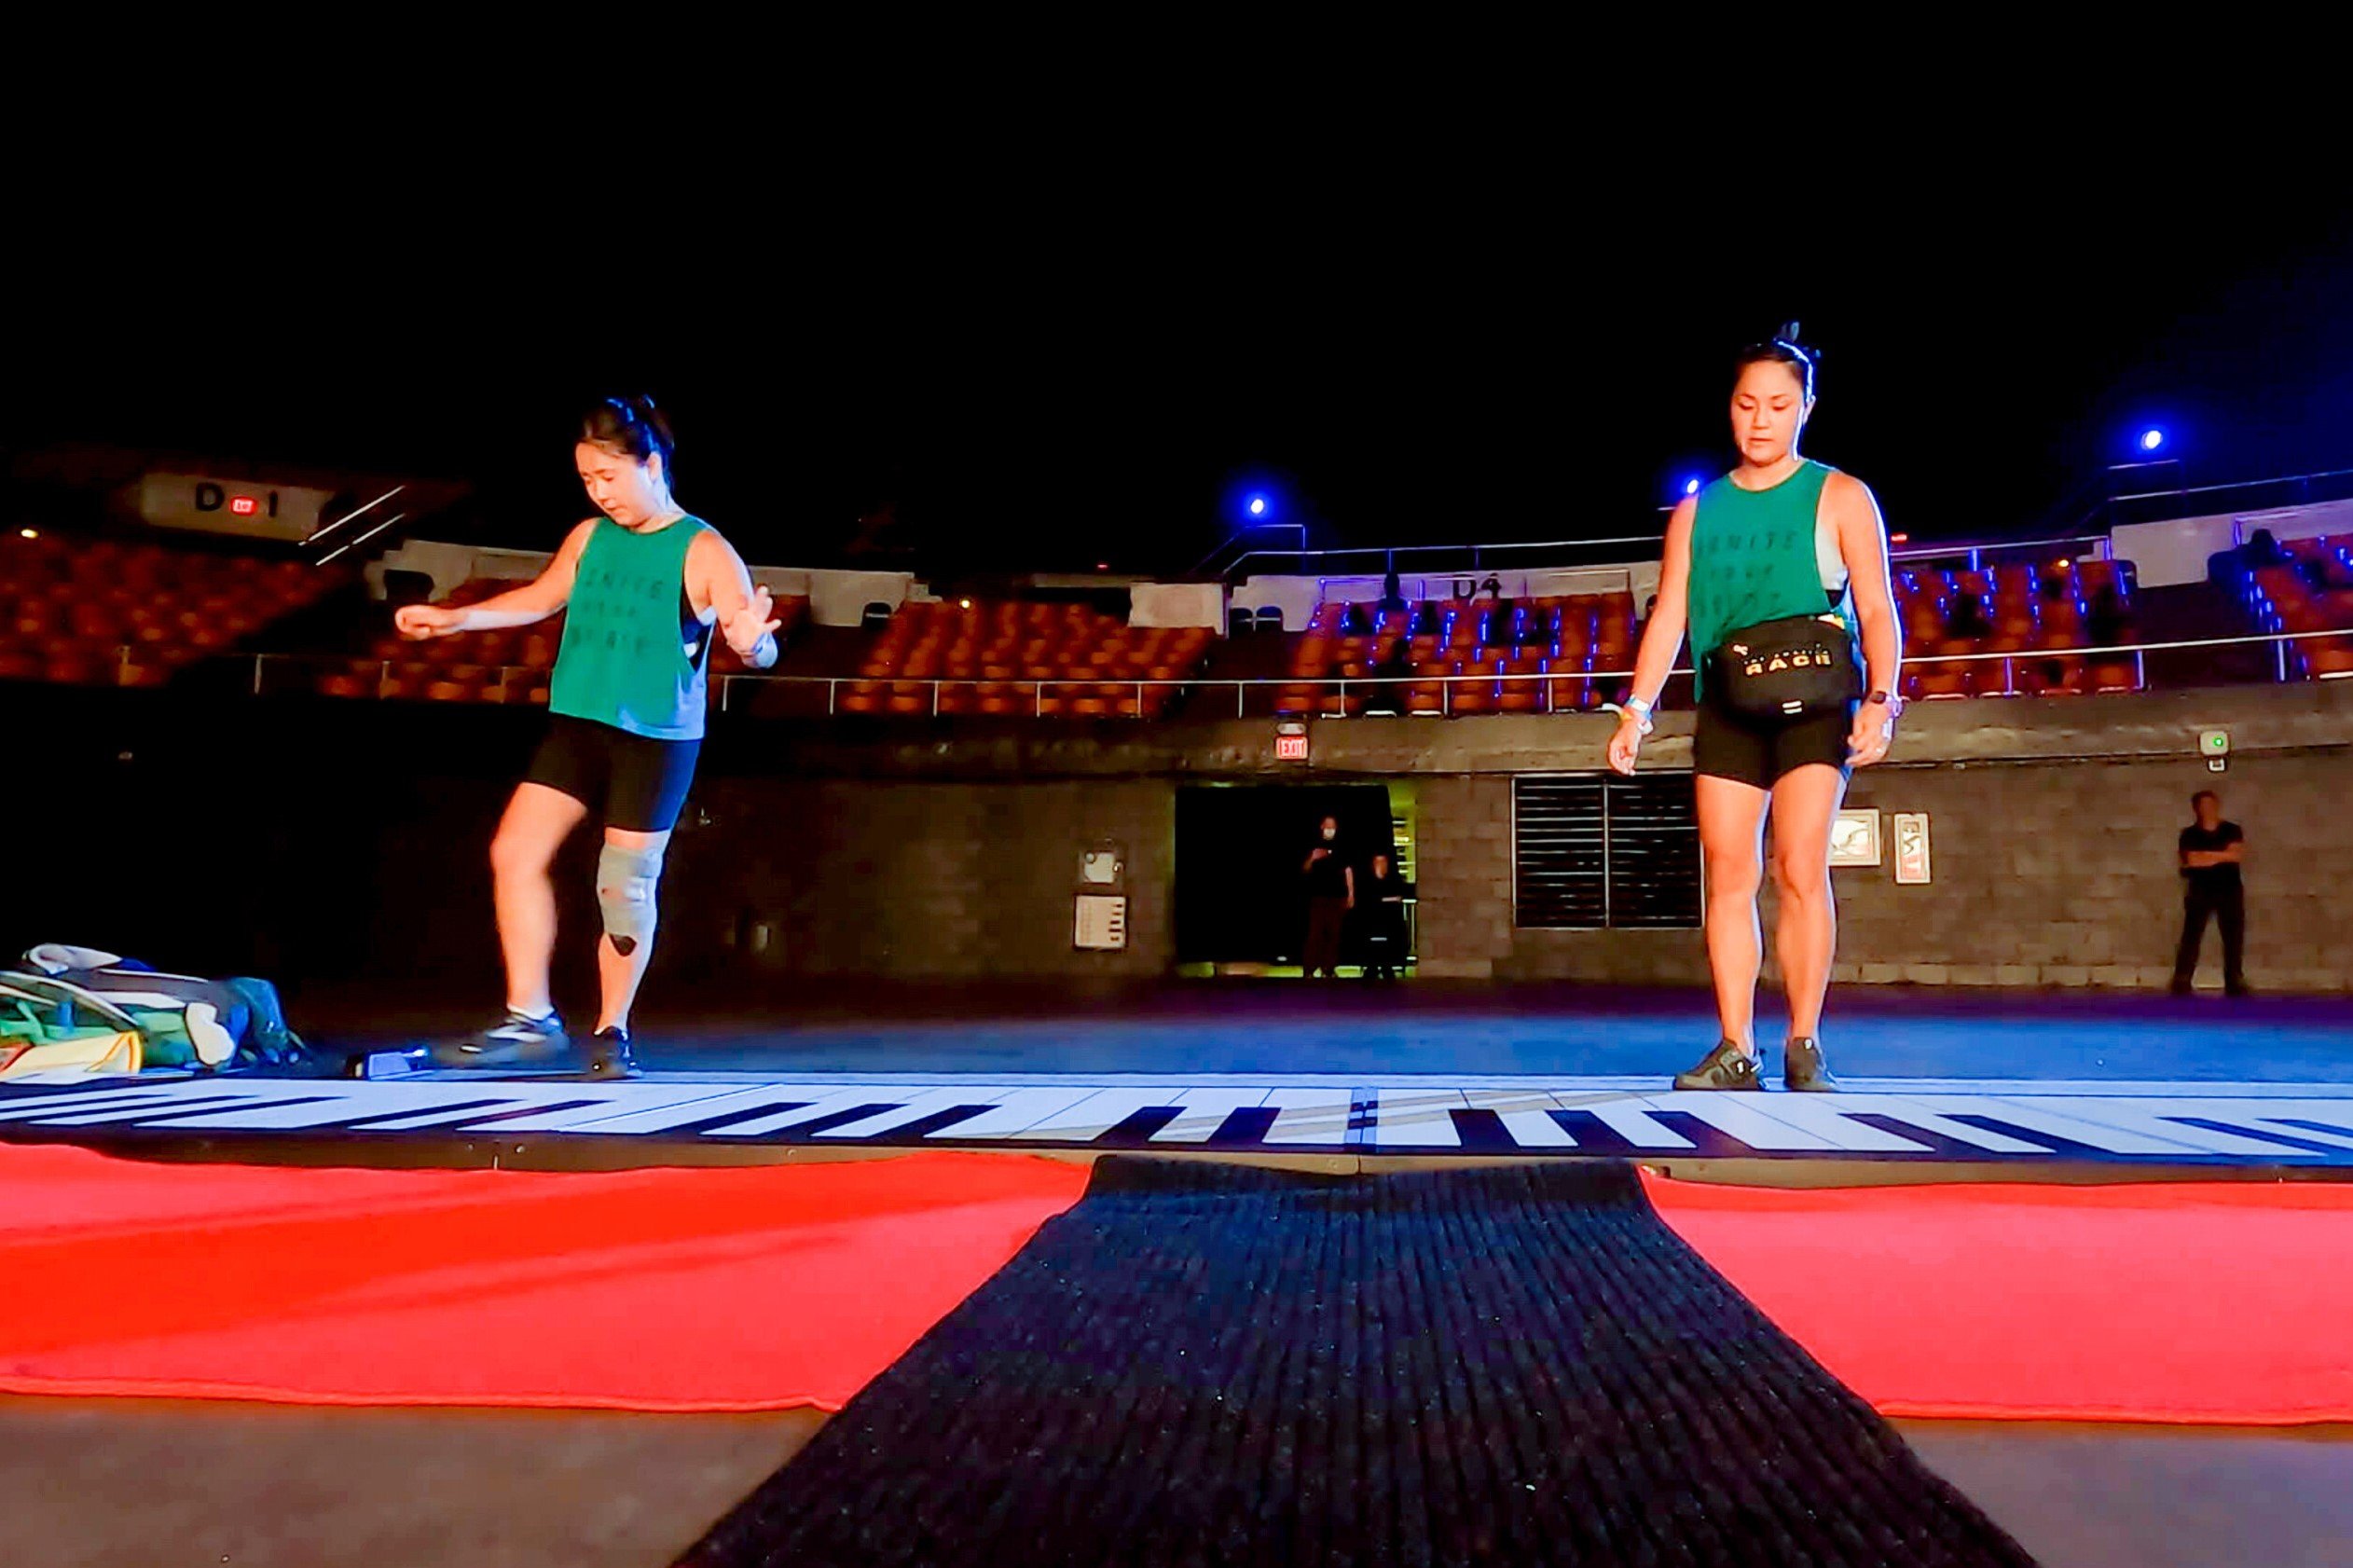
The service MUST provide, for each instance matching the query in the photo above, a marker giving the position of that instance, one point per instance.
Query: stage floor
(1934, 1083)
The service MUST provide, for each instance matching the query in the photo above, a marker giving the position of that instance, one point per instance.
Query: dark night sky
(1047, 376)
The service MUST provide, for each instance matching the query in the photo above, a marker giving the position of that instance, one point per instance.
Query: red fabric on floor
(2161, 1302)
(748, 1287)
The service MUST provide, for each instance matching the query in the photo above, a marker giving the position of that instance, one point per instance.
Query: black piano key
(1136, 1129)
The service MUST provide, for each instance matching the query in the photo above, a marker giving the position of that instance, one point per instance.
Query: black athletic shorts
(630, 783)
(1726, 745)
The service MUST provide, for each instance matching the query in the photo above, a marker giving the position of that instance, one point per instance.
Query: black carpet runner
(1206, 1364)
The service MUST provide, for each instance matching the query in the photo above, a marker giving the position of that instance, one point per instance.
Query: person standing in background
(2211, 851)
(1331, 893)
(1384, 895)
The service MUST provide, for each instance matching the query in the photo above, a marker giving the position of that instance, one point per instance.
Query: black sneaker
(515, 1041)
(1727, 1067)
(608, 1054)
(1803, 1069)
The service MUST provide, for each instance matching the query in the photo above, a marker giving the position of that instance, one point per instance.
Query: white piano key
(2144, 1119)
(1825, 1117)
(100, 1115)
(336, 1103)
(710, 1099)
(1916, 1112)
(2115, 1138)
(454, 1112)
(290, 1114)
(1204, 1111)
(1416, 1118)
(1630, 1119)
(14, 1108)
(649, 1106)
(817, 1108)
(1016, 1111)
(913, 1107)
(1094, 1114)
(1526, 1115)
(2274, 1117)
(1304, 1116)
(1734, 1114)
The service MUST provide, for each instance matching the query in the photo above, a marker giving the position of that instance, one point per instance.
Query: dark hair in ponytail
(1783, 348)
(631, 427)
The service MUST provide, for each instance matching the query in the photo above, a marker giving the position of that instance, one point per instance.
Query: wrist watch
(1894, 704)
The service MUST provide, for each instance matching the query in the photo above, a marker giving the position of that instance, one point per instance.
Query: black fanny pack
(1792, 668)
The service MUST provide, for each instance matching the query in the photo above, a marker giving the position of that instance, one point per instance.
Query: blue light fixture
(1258, 506)
(1691, 487)
(2151, 439)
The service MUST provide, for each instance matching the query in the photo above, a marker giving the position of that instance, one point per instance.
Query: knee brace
(624, 894)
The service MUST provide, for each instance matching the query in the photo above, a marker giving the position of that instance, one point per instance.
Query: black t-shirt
(1327, 878)
(2212, 879)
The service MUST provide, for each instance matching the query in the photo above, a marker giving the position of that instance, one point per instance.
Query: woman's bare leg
(537, 822)
(1731, 844)
(1806, 932)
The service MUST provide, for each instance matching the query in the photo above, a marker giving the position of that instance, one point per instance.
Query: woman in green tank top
(1780, 536)
(647, 585)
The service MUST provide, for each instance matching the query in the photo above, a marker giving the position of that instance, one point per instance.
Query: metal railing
(508, 680)
(2290, 490)
(1403, 557)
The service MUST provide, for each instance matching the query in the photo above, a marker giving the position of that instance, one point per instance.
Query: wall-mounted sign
(1101, 924)
(248, 507)
(1854, 837)
(1911, 846)
(1099, 867)
(1290, 741)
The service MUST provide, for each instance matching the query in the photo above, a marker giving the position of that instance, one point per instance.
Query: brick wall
(2045, 873)
(2064, 874)
(357, 834)
(915, 878)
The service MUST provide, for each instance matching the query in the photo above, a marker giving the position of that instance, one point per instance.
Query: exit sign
(1290, 748)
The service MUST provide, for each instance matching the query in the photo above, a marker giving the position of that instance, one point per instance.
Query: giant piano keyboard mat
(2287, 1126)
(769, 1286)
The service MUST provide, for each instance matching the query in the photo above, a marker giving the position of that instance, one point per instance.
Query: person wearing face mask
(1331, 893)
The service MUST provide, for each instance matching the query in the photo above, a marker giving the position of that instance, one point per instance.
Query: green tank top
(633, 653)
(1754, 556)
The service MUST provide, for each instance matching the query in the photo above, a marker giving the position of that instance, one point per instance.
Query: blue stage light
(1691, 487)
(1258, 506)
(2151, 439)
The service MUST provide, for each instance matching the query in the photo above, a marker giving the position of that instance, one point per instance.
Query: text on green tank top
(631, 655)
(1753, 558)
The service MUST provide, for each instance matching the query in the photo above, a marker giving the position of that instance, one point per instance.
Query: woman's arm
(1663, 634)
(745, 614)
(535, 601)
(1863, 545)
